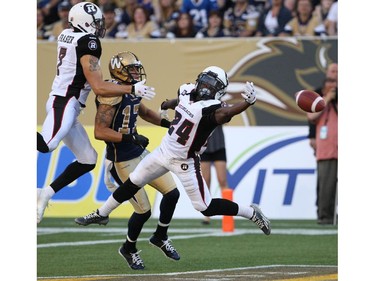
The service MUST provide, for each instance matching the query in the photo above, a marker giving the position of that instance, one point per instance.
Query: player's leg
(206, 172)
(167, 186)
(220, 164)
(142, 212)
(147, 170)
(197, 190)
(61, 113)
(66, 128)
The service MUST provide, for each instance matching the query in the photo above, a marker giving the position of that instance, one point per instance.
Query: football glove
(136, 139)
(163, 113)
(143, 91)
(141, 140)
(249, 94)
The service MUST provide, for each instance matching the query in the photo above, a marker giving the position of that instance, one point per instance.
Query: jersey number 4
(183, 130)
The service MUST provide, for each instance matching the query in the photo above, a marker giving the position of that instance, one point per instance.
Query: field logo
(279, 68)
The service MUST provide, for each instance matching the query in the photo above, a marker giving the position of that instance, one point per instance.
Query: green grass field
(67, 249)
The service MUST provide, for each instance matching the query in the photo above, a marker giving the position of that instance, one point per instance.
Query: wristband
(165, 123)
(127, 138)
(133, 90)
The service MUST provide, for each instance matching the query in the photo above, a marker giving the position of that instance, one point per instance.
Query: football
(310, 101)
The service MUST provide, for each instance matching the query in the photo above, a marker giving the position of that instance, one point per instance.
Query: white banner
(270, 166)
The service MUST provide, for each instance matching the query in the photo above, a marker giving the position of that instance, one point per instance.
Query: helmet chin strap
(80, 28)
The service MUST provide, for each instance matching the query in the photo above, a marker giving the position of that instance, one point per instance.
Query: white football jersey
(192, 125)
(70, 80)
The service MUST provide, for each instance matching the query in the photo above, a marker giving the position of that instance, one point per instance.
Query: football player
(198, 111)
(77, 73)
(115, 123)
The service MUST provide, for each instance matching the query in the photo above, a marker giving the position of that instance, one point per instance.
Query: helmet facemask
(209, 86)
(126, 68)
(99, 25)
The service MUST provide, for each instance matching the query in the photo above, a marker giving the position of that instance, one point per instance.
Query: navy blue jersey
(199, 10)
(125, 122)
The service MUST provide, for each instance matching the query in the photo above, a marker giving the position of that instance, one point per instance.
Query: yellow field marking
(76, 279)
(329, 277)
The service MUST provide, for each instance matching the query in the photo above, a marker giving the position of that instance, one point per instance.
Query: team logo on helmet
(90, 8)
(115, 62)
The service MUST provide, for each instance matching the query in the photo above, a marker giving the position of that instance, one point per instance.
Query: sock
(46, 193)
(245, 211)
(108, 206)
(161, 231)
(129, 245)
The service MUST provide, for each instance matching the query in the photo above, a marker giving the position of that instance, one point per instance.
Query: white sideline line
(192, 272)
(203, 233)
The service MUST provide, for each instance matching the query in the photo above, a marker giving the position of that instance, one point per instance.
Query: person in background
(57, 27)
(330, 78)
(272, 20)
(111, 25)
(304, 23)
(142, 26)
(77, 73)
(115, 123)
(215, 27)
(199, 11)
(184, 28)
(291, 6)
(326, 152)
(332, 20)
(241, 20)
(49, 9)
(128, 11)
(198, 111)
(215, 154)
(321, 10)
(166, 12)
(331, 73)
(41, 29)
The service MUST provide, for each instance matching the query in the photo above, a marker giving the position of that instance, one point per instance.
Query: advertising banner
(270, 166)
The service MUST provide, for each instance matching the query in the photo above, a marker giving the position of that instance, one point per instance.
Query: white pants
(188, 172)
(70, 131)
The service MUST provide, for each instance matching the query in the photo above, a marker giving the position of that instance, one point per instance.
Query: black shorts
(219, 155)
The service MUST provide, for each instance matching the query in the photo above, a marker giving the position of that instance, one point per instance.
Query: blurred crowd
(138, 19)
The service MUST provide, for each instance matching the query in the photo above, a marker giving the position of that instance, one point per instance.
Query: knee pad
(41, 145)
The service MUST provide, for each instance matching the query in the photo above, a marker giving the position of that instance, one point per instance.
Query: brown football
(310, 101)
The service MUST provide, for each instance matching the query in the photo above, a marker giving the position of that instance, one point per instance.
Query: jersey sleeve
(89, 45)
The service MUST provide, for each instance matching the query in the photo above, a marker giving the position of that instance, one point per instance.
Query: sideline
(277, 269)
(202, 233)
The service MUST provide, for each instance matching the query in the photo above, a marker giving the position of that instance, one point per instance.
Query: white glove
(249, 94)
(163, 113)
(111, 186)
(143, 91)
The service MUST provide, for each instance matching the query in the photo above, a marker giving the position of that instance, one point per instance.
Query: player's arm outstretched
(225, 114)
(169, 104)
(94, 76)
(152, 117)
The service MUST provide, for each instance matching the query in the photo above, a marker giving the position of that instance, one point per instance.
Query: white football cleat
(41, 205)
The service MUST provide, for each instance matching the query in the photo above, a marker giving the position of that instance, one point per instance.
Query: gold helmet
(126, 68)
